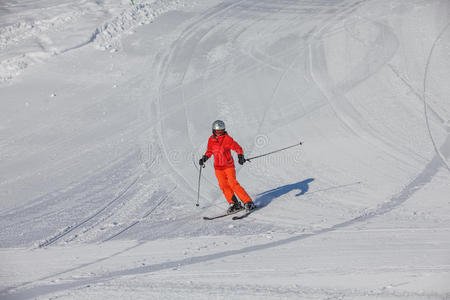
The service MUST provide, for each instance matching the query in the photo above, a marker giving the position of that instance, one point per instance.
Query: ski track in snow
(70, 229)
(148, 213)
(446, 145)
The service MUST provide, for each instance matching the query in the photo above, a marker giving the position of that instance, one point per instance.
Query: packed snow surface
(106, 107)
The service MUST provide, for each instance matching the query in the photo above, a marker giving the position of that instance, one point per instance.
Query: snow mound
(144, 12)
(32, 33)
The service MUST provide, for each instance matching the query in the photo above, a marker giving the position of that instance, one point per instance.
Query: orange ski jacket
(220, 147)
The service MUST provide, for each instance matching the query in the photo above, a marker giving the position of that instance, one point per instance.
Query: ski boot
(235, 206)
(250, 206)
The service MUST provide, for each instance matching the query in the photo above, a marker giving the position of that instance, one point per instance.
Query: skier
(219, 145)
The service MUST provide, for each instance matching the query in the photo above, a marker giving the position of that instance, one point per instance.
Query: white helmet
(218, 125)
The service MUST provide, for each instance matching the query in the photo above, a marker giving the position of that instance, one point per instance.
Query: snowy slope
(99, 149)
(31, 32)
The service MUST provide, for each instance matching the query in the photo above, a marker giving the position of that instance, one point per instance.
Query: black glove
(203, 160)
(241, 159)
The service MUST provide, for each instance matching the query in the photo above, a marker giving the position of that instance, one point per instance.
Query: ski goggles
(219, 132)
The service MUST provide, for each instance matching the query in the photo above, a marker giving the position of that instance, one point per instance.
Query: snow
(106, 108)
(31, 33)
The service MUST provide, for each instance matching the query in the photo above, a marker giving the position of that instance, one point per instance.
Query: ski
(245, 214)
(221, 216)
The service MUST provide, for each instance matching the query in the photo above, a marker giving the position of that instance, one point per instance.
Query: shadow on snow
(266, 197)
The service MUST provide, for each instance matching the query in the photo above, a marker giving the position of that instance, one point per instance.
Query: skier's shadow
(266, 197)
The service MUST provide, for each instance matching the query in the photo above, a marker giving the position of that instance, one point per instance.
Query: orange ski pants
(229, 185)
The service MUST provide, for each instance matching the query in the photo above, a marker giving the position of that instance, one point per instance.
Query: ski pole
(258, 156)
(198, 188)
